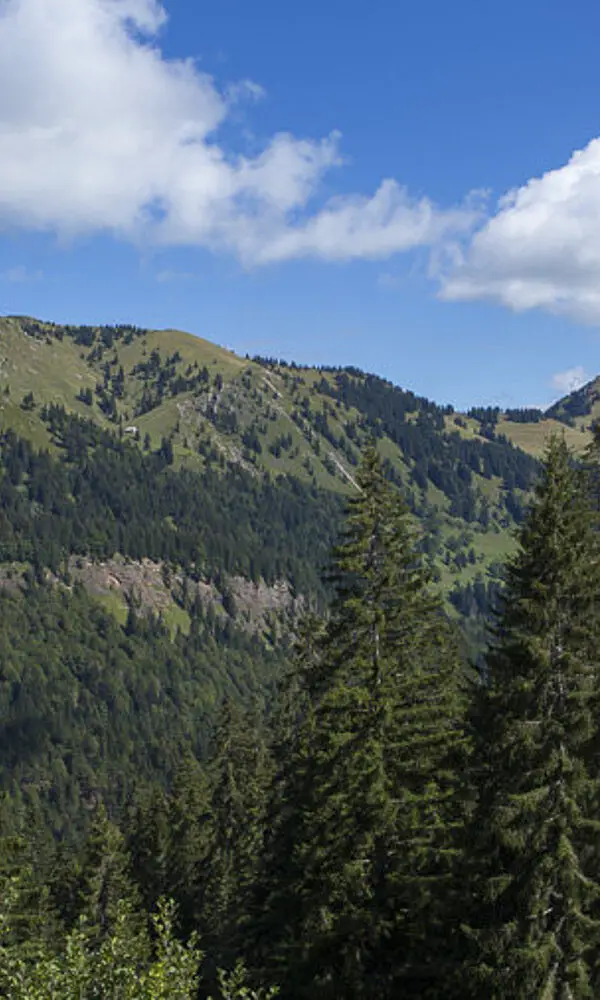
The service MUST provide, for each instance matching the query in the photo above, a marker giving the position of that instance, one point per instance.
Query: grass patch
(114, 604)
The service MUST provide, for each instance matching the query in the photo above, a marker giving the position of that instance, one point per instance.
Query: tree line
(98, 494)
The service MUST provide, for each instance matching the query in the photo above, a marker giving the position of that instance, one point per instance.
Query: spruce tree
(532, 888)
(105, 882)
(590, 477)
(148, 843)
(356, 868)
(190, 835)
(240, 773)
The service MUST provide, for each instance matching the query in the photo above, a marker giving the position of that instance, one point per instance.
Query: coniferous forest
(354, 810)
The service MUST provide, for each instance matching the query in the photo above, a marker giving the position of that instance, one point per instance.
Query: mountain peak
(581, 407)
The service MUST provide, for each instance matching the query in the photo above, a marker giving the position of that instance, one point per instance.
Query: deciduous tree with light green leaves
(123, 966)
(128, 964)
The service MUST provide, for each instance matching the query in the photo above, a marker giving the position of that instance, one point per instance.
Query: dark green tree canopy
(533, 839)
(365, 821)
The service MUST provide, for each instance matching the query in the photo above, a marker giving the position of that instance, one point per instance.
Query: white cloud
(542, 247)
(100, 132)
(570, 380)
(20, 274)
(389, 222)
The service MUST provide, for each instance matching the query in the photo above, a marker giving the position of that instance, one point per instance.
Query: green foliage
(201, 844)
(124, 966)
(106, 496)
(90, 709)
(364, 831)
(533, 838)
(342, 840)
(104, 884)
(240, 774)
(233, 986)
(129, 963)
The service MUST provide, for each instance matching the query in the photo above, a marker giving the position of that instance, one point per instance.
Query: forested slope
(128, 455)
(389, 826)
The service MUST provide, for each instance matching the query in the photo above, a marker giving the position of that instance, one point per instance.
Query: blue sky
(413, 188)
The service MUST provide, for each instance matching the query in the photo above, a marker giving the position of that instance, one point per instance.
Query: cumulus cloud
(100, 132)
(570, 380)
(542, 247)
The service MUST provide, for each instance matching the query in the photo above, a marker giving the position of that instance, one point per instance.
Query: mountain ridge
(75, 368)
(465, 476)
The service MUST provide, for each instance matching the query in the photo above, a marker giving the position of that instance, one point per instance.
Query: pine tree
(189, 822)
(591, 467)
(534, 891)
(240, 773)
(590, 477)
(34, 922)
(105, 880)
(148, 841)
(349, 899)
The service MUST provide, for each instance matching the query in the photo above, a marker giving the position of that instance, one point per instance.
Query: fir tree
(105, 880)
(590, 482)
(148, 841)
(190, 830)
(358, 864)
(532, 930)
(240, 773)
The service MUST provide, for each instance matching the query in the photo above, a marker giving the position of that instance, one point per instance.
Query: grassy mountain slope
(465, 476)
(533, 437)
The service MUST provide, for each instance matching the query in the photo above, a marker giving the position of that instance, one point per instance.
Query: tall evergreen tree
(364, 833)
(534, 890)
(190, 835)
(148, 842)
(240, 772)
(590, 475)
(105, 882)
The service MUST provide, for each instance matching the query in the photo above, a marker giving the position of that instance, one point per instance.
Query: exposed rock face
(154, 587)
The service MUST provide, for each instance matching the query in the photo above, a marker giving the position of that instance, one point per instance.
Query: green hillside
(211, 408)
(205, 410)
(169, 386)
